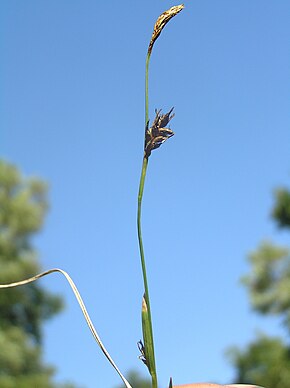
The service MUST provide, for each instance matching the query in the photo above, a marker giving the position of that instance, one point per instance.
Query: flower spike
(161, 23)
(157, 134)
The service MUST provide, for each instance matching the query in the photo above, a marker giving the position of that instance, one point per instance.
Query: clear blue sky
(72, 113)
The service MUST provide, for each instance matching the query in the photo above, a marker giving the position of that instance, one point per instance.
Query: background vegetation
(266, 361)
(23, 310)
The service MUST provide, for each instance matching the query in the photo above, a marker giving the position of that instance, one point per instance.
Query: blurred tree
(269, 281)
(281, 210)
(266, 361)
(23, 205)
(137, 381)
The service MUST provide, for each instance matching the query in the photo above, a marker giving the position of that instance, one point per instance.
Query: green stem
(146, 89)
(152, 366)
(149, 346)
(140, 196)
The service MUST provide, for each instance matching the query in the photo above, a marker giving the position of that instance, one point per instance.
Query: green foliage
(20, 364)
(265, 362)
(281, 211)
(23, 205)
(137, 381)
(269, 281)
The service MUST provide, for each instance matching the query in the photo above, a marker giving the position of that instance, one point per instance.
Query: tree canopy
(266, 361)
(23, 205)
(281, 210)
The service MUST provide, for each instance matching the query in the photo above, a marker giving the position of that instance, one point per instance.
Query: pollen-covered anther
(157, 134)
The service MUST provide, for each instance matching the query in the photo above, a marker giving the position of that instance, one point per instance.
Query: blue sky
(72, 113)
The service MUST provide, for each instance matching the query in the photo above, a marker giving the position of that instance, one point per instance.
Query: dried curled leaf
(83, 308)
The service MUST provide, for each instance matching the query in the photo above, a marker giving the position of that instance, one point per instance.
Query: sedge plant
(155, 136)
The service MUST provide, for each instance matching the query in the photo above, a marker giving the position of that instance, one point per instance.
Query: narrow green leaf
(148, 339)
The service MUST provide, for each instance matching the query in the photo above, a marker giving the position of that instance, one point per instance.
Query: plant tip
(161, 23)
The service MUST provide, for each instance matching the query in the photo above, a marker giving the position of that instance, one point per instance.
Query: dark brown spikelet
(157, 134)
(161, 23)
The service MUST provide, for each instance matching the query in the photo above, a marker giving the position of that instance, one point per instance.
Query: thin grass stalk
(149, 342)
(146, 88)
(148, 339)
